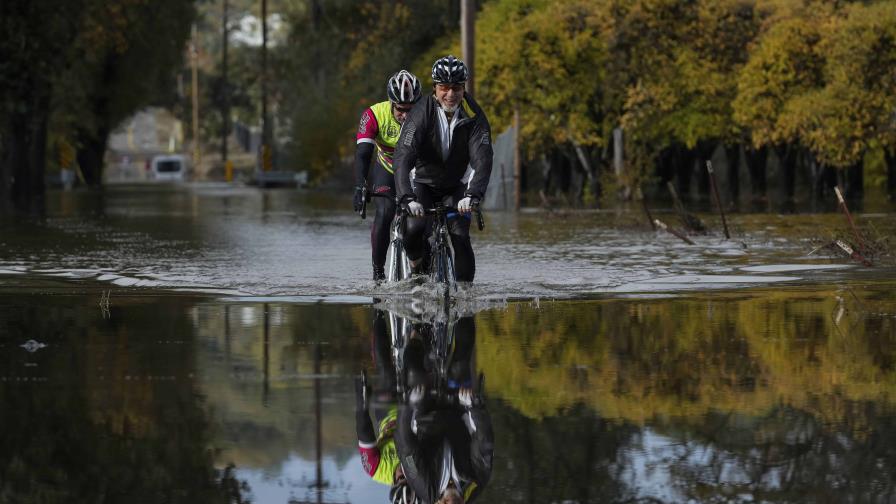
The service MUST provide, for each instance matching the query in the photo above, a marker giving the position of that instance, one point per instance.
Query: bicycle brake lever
(364, 199)
(479, 221)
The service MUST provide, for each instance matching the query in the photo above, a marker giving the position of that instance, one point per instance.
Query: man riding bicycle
(379, 455)
(446, 449)
(446, 139)
(379, 127)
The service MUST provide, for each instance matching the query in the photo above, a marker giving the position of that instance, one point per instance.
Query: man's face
(451, 496)
(449, 96)
(401, 112)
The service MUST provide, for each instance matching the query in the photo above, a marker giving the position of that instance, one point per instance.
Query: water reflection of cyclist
(446, 139)
(380, 126)
(445, 447)
(378, 454)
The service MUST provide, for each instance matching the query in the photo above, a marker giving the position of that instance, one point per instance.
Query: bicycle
(441, 265)
(438, 339)
(397, 265)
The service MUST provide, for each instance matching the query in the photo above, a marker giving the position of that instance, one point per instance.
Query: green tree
(854, 110)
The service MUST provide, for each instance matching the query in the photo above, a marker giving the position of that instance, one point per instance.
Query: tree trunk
(732, 156)
(890, 157)
(591, 173)
(90, 157)
(547, 169)
(14, 147)
(28, 156)
(704, 153)
(855, 181)
(757, 159)
(787, 157)
(815, 173)
(685, 168)
(665, 167)
(829, 181)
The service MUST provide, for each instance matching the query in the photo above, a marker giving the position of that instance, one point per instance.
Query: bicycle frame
(440, 344)
(397, 265)
(441, 268)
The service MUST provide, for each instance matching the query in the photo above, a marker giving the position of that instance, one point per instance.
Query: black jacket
(420, 147)
(421, 453)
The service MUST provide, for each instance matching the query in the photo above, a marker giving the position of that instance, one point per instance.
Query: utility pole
(225, 86)
(517, 162)
(265, 126)
(194, 56)
(467, 38)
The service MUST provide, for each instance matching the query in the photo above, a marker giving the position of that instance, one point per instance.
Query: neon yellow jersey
(378, 126)
(380, 459)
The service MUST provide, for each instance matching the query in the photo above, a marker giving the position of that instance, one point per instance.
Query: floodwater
(199, 344)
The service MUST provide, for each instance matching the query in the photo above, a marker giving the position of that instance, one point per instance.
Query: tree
(854, 110)
(78, 67)
(124, 64)
(548, 65)
(32, 52)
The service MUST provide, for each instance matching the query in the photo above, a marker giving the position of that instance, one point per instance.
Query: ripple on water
(296, 244)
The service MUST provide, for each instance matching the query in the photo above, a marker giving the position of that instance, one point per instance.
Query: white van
(171, 167)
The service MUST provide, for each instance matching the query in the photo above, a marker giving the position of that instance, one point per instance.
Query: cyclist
(446, 451)
(379, 456)
(379, 128)
(446, 139)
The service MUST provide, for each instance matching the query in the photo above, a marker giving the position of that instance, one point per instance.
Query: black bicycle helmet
(403, 88)
(449, 70)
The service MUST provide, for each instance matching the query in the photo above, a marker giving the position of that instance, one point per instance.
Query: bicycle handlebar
(365, 198)
(480, 222)
(367, 195)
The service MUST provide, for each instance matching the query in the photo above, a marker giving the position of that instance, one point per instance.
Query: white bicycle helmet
(401, 493)
(403, 88)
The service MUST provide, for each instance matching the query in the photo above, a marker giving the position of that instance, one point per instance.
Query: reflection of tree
(87, 434)
(763, 394)
(786, 456)
(576, 456)
(639, 359)
(262, 435)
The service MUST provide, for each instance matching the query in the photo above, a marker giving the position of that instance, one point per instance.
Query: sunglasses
(403, 110)
(453, 87)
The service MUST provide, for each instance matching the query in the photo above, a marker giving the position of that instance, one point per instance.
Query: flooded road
(289, 243)
(201, 345)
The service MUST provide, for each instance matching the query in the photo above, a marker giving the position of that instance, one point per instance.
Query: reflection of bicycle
(397, 265)
(441, 260)
(435, 344)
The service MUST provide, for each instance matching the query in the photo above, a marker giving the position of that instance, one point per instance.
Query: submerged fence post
(842, 203)
(662, 225)
(715, 192)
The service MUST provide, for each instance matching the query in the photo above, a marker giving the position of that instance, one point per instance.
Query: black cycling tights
(383, 183)
(458, 227)
(460, 369)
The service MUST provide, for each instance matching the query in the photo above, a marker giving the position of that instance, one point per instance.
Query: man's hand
(465, 398)
(467, 204)
(416, 397)
(358, 199)
(415, 209)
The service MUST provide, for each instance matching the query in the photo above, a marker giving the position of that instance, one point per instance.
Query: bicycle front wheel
(394, 259)
(443, 273)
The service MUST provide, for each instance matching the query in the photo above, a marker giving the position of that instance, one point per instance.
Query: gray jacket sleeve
(481, 156)
(409, 142)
